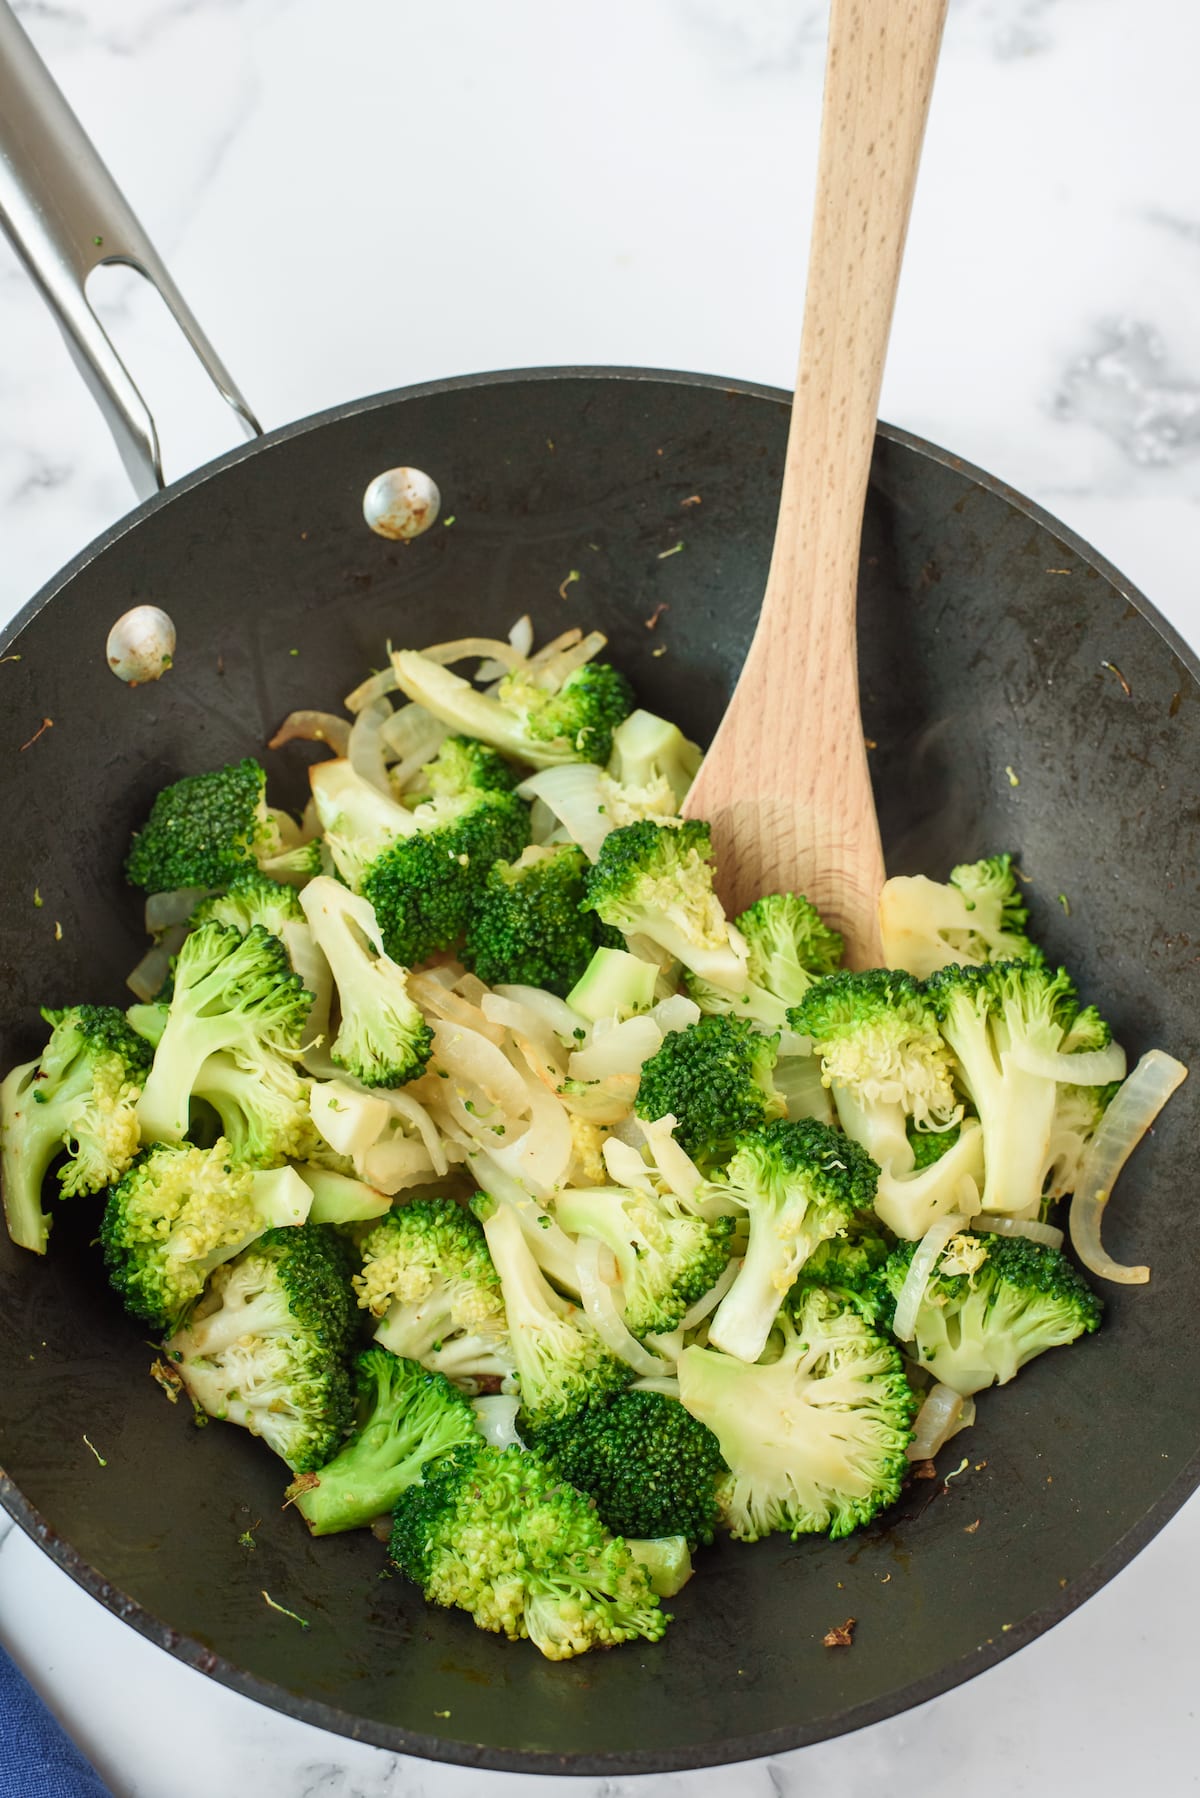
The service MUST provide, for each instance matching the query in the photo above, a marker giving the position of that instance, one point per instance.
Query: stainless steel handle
(65, 215)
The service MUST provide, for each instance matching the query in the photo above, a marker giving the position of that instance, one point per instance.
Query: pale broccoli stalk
(978, 917)
(909, 1203)
(790, 947)
(263, 1105)
(667, 1254)
(653, 760)
(532, 717)
(814, 1440)
(382, 1039)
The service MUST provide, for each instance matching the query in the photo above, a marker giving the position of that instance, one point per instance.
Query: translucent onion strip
(366, 745)
(376, 686)
(620, 1050)
(468, 649)
(165, 909)
(496, 1415)
(940, 1417)
(1120, 1130)
(574, 794)
(565, 1023)
(709, 1300)
(147, 979)
(1000, 1223)
(313, 727)
(600, 1304)
(1091, 1067)
(925, 1255)
(665, 1385)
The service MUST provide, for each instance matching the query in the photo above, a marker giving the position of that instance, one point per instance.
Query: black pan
(1018, 694)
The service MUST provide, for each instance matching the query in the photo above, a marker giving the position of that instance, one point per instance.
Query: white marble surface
(360, 196)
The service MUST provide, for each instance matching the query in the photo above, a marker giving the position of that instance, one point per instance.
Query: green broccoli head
(650, 1467)
(978, 916)
(800, 1183)
(560, 1362)
(170, 1220)
(849, 1268)
(534, 716)
(231, 992)
(714, 1079)
(526, 927)
(790, 946)
(998, 915)
(815, 1440)
(1000, 1020)
(877, 1037)
(654, 880)
(294, 867)
(204, 830)
(463, 766)
(268, 1347)
(426, 1273)
(382, 1039)
(668, 1254)
(251, 898)
(499, 1534)
(405, 1417)
(80, 1096)
(990, 1305)
(262, 1102)
(1077, 1114)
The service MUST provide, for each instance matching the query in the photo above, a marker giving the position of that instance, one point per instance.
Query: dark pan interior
(985, 636)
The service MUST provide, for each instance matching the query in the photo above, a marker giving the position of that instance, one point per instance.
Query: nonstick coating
(1017, 694)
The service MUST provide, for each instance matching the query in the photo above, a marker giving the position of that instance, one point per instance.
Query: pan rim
(394, 1737)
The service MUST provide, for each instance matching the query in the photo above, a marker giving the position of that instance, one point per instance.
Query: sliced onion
(666, 1385)
(619, 1050)
(410, 1111)
(543, 1154)
(365, 749)
(1090, 1067)
(607, 1102)
(600, 1304)
(1000, 1223)
(475, 1064)
(511, 1014)
(676, 1013)
(555, 647)
(164, 909)
(573, 792)
(521, 636)
(468, 649)
(709, 1300)
(1118, 1134)
(626, 1166)
(496, 1415)
(936, 1422)
(413, 737)
(555, 668)
(925, 1255)
(469, 987)
(313, 727)
(552, 1248)
(565, 1023)
(376, 686)
(147, 979)
(680, 1172)
(438, 1002)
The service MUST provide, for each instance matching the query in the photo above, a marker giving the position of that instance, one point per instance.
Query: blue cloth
(37, 1758)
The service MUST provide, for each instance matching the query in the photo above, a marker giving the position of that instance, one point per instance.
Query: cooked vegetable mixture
(533, 1212)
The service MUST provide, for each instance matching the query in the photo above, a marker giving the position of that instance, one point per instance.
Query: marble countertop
(358, 197)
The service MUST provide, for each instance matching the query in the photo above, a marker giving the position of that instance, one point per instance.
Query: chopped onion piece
(376, 686)
(413, 737)
(709, 1300)
(469, 987)
(1090, 1067)
(666, 1385)
(468, 649)
(552, 1248)
(474, 1061)
(496, 1415)
(437, 1001)
(147, 979)
(365, 749)
(1000, 1223)
(676, 1013)
(573, 793)
(925, 1255)
(521, 636)
(395, 1162)
(600, 1304)
(410, 1111)
(626, 1166)
(164, 909)
(543, 1154)
(565, 1023)
(1118, 1133)
(937, 1420)
(621, 1050)
(680, 1172)
(556, 645)
(556, 668)
(313, 727)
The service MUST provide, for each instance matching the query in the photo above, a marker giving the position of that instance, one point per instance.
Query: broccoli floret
(654, 763)
(615, 984)
(232, 992)
(1018, 1299)
(419, 869)
(500, 1535)
(1077, 1114)
(405, 1418)
(790, 946)
(382, 1039)
(650, 1467)
(268, 1346)
(462, 765)
(204, 830)
(714, 1079)
(668, 1255)
(428, 1276)
(667, 1561)
(654, 880)
(815, 1441)
(929, 1146)
(263, 1106)
(294, 867)
(178, 1213)
(525, 927)
(849, 1267)
(800, 1184)
(908, 1203)
(251, 898)
(560, 1363)
(876, 1035)
(80, 1095)
(531, 718)
(978, 917)
(994, 1018)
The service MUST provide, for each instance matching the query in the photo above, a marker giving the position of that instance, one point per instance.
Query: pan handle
(65, 215)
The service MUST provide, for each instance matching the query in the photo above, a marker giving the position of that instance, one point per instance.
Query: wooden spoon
(785, 785)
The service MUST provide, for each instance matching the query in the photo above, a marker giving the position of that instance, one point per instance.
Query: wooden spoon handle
(789, 792)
